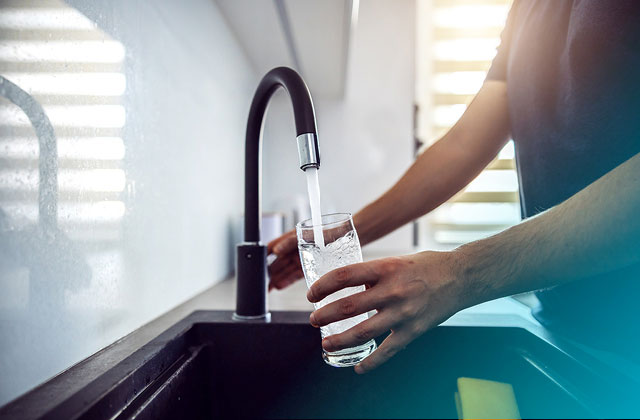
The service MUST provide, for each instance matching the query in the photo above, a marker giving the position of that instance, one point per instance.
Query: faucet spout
(251, 270)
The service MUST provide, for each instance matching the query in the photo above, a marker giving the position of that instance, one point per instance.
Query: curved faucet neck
(251, 293)
(305, 121)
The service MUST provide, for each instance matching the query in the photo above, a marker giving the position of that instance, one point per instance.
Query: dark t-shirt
(573, 84)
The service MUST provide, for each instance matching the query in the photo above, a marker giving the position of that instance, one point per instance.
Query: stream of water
(313, 188)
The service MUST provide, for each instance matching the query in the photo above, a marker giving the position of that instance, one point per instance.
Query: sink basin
(207, 366)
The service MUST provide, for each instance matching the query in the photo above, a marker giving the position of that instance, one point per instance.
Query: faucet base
(248, 318)
(251, 294)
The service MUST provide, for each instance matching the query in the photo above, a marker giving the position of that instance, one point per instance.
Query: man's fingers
(286, 271)
(283, 262)
(360, 334)
(275, 242)
(346, 307)
(282, 283)
(395, 342)
(283, 245)
(279, 240)
(282, 269)
(285, 278)
(347, 276)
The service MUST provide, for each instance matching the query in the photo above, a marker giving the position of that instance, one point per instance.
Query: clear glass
(342, 247)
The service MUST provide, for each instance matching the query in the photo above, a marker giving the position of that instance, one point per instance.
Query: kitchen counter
(222, 297)
(503, 317)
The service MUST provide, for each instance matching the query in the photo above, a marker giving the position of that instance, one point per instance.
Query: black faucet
(251, 270)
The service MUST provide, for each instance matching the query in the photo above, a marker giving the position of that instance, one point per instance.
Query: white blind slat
(460, 44)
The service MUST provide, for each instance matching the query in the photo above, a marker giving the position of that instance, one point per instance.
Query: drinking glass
(341, 247)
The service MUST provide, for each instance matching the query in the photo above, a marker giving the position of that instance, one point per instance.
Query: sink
(208, 366)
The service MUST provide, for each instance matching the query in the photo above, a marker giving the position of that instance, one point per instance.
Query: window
(457, 40)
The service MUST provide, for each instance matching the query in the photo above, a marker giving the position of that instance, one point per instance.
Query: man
(565, 85)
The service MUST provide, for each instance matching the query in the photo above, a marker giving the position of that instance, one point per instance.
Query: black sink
(207, 366)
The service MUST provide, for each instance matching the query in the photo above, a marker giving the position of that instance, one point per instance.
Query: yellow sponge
(482, 399)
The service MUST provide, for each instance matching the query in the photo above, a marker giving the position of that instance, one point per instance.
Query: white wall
(188, 91)
(366, 138)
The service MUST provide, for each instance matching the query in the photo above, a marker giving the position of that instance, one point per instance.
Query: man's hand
(286, 268)
(436, 175)
(411, 294)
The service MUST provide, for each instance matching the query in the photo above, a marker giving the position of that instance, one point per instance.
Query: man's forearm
(428, 182)
(443, 169)
(595, 231)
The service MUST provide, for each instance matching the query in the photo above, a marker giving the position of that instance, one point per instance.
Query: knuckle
(418, 329)
(342, 275)
(416, 287)
(397, 292)
(348, 307)
(408, 310)
(390, 265)
(388, 351)
(335, 341)
(362, 333)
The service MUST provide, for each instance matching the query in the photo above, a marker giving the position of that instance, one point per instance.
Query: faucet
(251, 270)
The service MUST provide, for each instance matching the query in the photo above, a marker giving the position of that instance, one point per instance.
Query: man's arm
(444, 168)
(436, 175)
(595, 231)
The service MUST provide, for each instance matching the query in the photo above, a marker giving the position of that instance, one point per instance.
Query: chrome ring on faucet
(308, 153)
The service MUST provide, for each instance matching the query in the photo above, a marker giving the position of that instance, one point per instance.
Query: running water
(313, 188)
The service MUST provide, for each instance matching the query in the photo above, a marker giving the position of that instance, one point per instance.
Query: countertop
(222, 297)
(505, 312)
(293, 298)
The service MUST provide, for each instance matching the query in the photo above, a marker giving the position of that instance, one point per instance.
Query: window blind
(456, 42)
